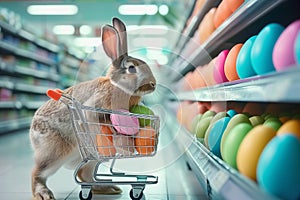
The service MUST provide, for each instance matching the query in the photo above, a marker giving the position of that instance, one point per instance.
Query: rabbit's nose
(152, 84)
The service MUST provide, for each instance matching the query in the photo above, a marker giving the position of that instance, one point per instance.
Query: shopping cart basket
(99, 141)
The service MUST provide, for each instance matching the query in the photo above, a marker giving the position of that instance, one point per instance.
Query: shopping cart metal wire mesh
(111, 134)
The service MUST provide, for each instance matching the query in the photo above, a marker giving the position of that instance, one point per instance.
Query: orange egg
(234, 4)
(198, 78)
(206, 27)
(290, 127)
(145, 141)
(104, 141)
(222, 13)
(230, 63)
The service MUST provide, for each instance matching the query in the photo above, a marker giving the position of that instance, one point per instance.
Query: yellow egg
(290, 127)
(251, 148)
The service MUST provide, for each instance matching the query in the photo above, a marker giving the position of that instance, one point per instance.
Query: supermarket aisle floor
(176, 182)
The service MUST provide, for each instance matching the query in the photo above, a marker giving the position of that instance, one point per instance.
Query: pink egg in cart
(219, 74)
(125, 124)
(283, 53)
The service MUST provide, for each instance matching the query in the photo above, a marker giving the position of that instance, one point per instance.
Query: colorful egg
(222, 13)
(125, 124)
(230, 63)
(283, 53)
(206, 27)
(297, 48)
(278, 167)
(251, 148)
(233, 141)
(140, 109)
(235, 120)
(215, 135)
(219, 74)
(104, 142)
(244, 66)
(262, 49)
(291, 126)
(145, 141)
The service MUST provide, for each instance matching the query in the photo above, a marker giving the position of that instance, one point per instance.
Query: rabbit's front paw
(43, 193)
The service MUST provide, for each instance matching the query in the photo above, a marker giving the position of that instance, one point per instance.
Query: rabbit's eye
(131, 69)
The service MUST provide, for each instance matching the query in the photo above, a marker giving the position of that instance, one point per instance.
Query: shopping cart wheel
(87, 196)
(138, 195)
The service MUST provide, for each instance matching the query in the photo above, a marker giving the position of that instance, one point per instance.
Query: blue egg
(297, 49)
(278, 170)
(215, 135)
(243, 62)
(231, 113)
(262, 49)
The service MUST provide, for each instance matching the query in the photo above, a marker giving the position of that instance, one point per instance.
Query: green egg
(194, 123)
(202, 127)
(235, 120)
(139, 109)
(232, 142)
(273, 122)
(256, 120)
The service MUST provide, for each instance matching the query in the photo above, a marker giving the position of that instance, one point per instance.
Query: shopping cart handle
(54, 94)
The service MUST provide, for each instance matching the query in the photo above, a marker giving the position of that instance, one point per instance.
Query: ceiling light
(87, 41)
(163, 9)
(147, 29)
(63, 30)
(85, 30)
(138, 9)
(52, 9)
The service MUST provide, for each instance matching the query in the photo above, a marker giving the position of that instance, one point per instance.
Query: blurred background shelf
(24, 53)
(30, 37)
(15, 124)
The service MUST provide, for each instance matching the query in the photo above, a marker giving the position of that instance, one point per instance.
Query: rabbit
(51, 133)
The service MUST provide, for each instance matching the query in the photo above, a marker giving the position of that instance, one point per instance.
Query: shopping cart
(99, 142)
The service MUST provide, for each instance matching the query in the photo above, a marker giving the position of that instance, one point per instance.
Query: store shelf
(12, 125)
(7, 84)
(23, 87)
(245, 15)
(216, 177)
(221, 181)
(10, 105)
(193, 26)
(274, 87)
(28, 71)
(30, 37)
(24, 53)
(30, 105)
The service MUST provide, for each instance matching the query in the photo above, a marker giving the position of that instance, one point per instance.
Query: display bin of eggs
(260, 142)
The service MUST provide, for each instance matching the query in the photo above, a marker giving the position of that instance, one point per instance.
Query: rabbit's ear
(121, 28)
(111, 42)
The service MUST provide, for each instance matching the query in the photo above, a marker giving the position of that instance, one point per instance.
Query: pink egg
(219, 74)
(125, 124)
(283, 53)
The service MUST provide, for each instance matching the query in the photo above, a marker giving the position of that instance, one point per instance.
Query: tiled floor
(176, 182)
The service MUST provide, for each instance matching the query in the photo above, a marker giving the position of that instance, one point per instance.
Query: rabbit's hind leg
(49, 157)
